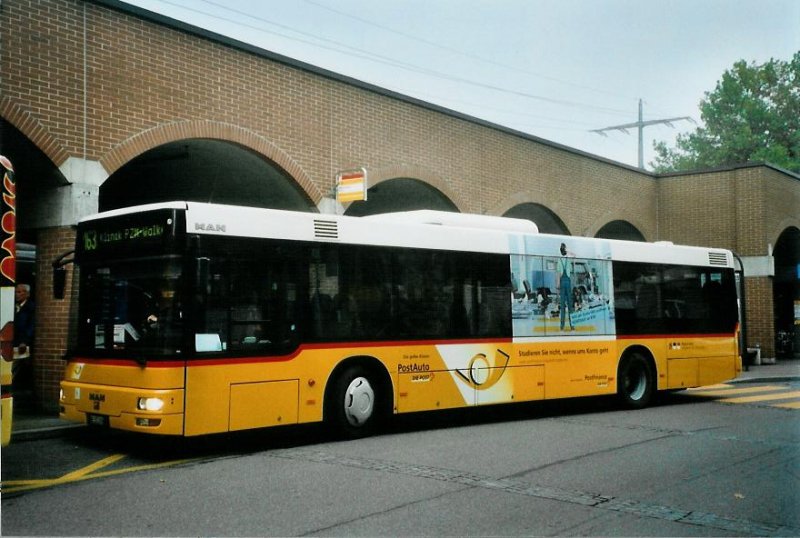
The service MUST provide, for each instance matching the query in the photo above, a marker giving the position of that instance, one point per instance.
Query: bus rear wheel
(353, 405)
(635, 381)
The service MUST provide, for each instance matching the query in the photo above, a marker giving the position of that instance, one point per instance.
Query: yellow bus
(199, 318)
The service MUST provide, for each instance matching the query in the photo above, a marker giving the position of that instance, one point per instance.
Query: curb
(47, 432)
(765, 379)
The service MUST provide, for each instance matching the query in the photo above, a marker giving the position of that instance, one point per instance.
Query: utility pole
(641, 124)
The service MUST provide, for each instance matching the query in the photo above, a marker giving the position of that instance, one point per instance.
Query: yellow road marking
(148, 467)
(80, 474)
(105, 462)
(762, 398)
(85, 473)
(33, 482)
(726, 392)
(764, 393)
(712, 387)
(789, 405)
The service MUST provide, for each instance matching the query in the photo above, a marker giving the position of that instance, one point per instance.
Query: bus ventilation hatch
(718, 258)
(326, 229)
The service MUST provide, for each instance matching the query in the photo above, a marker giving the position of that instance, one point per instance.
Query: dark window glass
(672, 299)
(266, 297)
(488, 289)
(379, 293)
(249, 300)
(349, 293)
(131, 308)
(442, 294)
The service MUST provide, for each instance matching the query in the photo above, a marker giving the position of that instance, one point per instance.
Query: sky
(555, 69)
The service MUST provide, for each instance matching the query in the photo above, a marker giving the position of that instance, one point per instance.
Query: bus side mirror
(60, 274)
(59, 282)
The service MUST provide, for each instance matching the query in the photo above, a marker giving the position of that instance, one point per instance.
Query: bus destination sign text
(92, 239)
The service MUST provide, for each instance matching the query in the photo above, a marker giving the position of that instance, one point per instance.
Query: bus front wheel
(635, 381)
(353, 403)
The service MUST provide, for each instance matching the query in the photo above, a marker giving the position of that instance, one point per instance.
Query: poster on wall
(561, 287)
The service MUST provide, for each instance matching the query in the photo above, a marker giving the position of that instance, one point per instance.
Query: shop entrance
(786, 294)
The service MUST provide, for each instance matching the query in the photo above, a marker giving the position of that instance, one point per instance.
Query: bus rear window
(673, 299)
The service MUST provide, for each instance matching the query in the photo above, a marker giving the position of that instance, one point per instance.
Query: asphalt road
(693, 465)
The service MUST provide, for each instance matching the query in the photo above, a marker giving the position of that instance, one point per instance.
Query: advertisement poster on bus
(561, 287)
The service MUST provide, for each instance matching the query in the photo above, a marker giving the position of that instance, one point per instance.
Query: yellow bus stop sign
(351, 186)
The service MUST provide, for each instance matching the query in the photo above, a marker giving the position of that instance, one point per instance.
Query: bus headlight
(150, 404)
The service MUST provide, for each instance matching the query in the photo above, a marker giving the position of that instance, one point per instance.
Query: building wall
(781, 196)
(687, 214)
(55, 318)
(744, 209)
(760, 318)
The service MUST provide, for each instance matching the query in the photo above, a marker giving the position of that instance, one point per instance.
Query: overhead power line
(460, 52)
(640, 125)
(374, 57)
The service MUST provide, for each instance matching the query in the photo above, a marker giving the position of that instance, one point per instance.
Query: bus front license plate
(97, 420)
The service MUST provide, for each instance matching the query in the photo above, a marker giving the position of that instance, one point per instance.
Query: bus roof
(418, 229)
(458, 220)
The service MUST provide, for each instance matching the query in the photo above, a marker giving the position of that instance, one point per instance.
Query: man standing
(565, 287)
(23, 325)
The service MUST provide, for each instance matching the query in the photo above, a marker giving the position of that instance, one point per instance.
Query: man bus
(198, 318)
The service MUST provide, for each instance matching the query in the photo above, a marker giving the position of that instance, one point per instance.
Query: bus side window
(647, 302)
(211, 308)
(250, 300)
(673, 299)
(492, 317)
(625, 276)
(332, 312)
(638, 298)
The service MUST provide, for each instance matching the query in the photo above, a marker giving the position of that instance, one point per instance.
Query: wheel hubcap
(636, 383)
(359, 401)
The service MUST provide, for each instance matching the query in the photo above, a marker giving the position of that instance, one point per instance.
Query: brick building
(103, 105)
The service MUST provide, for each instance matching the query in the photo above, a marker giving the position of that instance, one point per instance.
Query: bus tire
(635, 380)
(353, 406)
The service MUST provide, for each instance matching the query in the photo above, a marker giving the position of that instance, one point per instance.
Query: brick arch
(173, 132)
(30, 126)
(782, 227)
(523, 197)
(606, 218)
(528, 197)
(381, 174)
(628, 232)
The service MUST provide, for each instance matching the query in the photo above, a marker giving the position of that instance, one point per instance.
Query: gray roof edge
(727, 168)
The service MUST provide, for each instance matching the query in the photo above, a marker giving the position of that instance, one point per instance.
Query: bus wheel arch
(637, 377)
(359, 397)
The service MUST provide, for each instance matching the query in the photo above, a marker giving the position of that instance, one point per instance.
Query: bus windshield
(131, 308)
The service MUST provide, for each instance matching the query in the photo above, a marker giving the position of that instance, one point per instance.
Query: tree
(753, 114)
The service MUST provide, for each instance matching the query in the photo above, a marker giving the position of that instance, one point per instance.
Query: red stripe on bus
(213, 361)
(216, 361)
(671, 336)
(128, 362)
